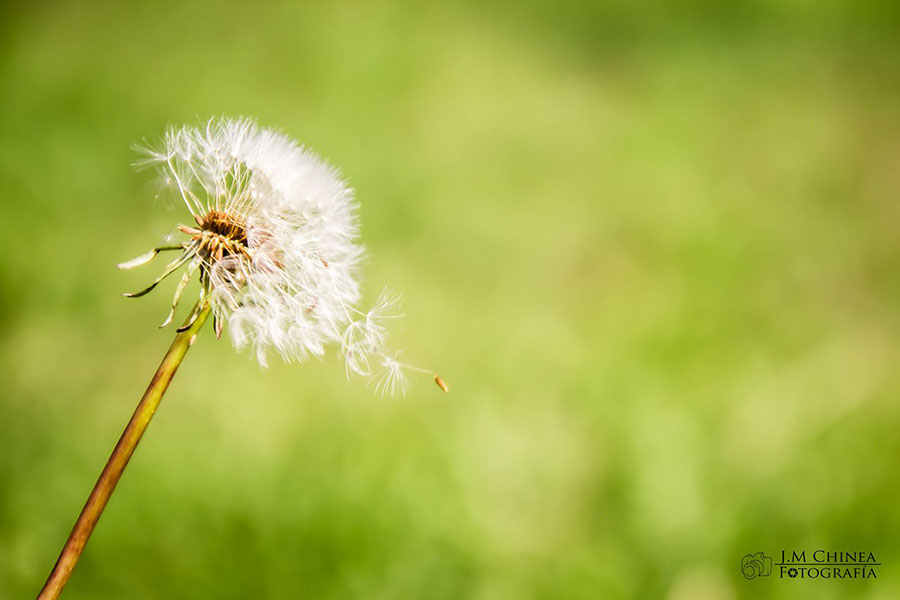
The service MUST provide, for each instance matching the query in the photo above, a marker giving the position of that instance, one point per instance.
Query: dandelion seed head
(294, 210)
(275, 241)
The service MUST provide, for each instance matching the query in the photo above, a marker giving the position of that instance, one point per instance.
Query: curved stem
(106, 483)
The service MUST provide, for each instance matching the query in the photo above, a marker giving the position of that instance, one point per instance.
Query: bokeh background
(651, 246)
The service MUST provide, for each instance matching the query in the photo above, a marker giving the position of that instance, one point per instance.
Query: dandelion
(274, 245)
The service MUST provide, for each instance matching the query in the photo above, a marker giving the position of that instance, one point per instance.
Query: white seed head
(276, 244)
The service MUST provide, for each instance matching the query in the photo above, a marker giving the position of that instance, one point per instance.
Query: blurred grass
(653, 248)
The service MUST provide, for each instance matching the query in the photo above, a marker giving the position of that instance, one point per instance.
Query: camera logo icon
(756, 565)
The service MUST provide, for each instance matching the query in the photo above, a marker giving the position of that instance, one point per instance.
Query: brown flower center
(220, 235)
(225, 225)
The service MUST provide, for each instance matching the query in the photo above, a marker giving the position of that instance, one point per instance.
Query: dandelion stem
(106, 483)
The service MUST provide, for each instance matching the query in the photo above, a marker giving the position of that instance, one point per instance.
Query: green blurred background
(651, 246)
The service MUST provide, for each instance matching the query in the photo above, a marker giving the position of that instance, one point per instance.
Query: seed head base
(218, 235)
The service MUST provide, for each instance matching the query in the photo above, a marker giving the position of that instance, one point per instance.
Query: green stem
(108, 479)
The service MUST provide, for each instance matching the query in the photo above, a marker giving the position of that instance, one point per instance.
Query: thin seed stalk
(108, 479)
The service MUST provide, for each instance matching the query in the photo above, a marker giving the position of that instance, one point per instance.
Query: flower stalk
(121, 454)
